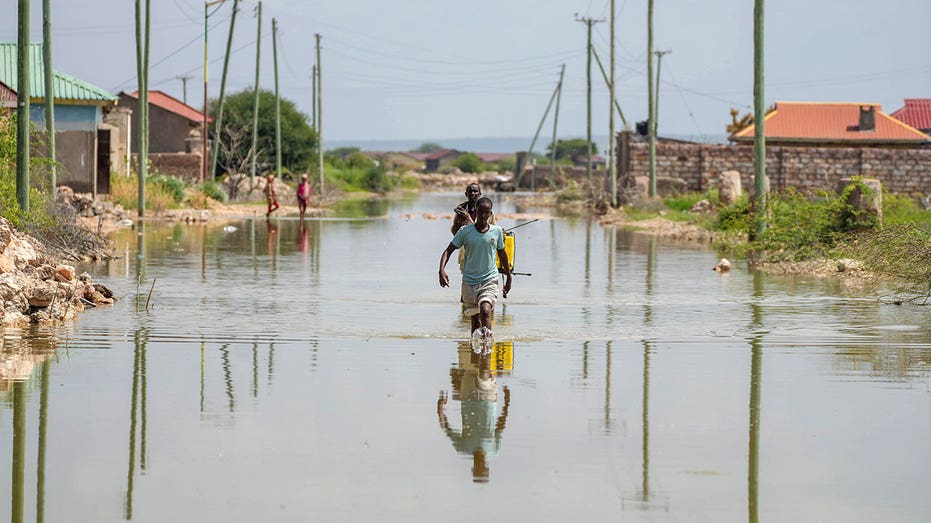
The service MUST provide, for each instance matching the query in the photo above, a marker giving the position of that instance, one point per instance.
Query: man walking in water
(481, 241)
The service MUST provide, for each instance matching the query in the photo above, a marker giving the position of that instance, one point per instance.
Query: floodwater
(288, 372)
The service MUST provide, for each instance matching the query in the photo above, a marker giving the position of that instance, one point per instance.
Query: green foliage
(360, 178)
(408, 182)
(298, 138)
(213, 190)
(41, 201)
(506, 165)
(171, 185)
(342, 152)
(428, 147)
(570, 149)
(902, 210)
(572, 193)
(469, 163)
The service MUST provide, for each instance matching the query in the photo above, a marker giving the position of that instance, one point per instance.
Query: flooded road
(287, 372)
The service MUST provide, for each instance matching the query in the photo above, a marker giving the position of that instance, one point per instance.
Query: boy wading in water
(481, 241)
(271, 197)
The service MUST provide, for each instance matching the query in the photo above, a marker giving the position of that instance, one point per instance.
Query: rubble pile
(36, 289)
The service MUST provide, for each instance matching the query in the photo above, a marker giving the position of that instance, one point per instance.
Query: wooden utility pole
(759, 125)
(142, 79)
(277, 100)
(204, 163)
(651, 136)
(313, 103)
(612, 145)
(49, 92)
(319, 114)
(22, 108)
(654, 118)
(589, 22)
(218, 126)
(537, 134)
(555, 121)
(184, 80)
(604, 74)
(255, 103)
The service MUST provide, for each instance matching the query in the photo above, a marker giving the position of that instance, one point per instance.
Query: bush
(213, 190)
(159, 193)
(169, 184)
(469, 163)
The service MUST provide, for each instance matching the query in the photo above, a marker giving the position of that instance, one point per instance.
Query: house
(441, 158)
(86, 144)
(171, 122)
(7, 96)
(833, 124)
(916, 113)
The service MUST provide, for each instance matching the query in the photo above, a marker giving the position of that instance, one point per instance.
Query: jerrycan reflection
(474, 385)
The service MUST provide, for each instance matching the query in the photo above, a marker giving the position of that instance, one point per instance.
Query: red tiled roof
(494, 157)
(917, 113)
(830, 122)
(172, 104)
(442, 153)
(7, 95)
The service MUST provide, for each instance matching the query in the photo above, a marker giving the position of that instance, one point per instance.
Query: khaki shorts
(473, 295)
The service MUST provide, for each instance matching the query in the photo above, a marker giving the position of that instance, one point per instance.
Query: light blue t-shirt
(481, 251)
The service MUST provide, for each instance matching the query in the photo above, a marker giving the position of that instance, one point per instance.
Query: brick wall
(180, 165)
(900, 170)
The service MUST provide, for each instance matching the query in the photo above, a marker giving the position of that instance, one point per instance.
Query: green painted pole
(651, 134)
(255, 103)
(43, 439)
(759, 125)
(218, 127)
(588, 105)
(140, 109)
(19, 451)
(144, 103)
(22, 108)
(49, 92)
(277, 100)
(612, 162)
(319, 115)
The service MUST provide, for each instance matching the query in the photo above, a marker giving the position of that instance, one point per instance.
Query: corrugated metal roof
(66, 88)
(170, 103)
(917, 113)
(830, 122)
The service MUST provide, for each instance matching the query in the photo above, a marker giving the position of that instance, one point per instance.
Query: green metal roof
(66, 88)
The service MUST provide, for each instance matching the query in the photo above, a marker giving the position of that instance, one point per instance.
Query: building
(916, 113)
(85, 144)
(441, 158)
(833, 124)
(171, 122)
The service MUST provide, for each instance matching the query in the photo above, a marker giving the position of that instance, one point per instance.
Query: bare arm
(444, 259)
(506, 267)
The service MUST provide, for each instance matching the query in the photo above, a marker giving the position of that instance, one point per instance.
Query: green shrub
(469, 163)
(169, 184)
(902, 209)
(572, 193)
(214, 190)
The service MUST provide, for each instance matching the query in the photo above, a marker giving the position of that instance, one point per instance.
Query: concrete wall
(186, 166)
(807, 168)
(167, 130)
(76, 151)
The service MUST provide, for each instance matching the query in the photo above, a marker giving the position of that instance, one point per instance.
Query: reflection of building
(476, 388)
(87, 143)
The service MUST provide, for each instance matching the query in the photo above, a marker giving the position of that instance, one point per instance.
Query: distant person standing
(481, 241)
(303, 194)
(271, 196)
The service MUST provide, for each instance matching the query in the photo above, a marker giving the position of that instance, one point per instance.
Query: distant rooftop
(172, 104)
(66, 88)
(916, 113)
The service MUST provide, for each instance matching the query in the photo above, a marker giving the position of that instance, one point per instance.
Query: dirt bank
(34, 288)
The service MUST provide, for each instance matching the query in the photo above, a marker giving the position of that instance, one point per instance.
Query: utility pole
(204, 161)
(184, 80)
(654, 118)
(255, 103)
(313, 103)
(277, 100)
(22, 108)
(49, 92)
(218, 127)
(589, 22)
(540, 127)
(759, 125)
(612, 161)
(651, 136)
(319, 114)
(142, 78)
(555, 121)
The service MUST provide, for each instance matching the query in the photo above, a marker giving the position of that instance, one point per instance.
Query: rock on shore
(35, 288)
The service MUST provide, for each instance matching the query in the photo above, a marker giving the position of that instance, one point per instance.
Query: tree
(428, 147)
(571, 149)
(469, 163)
(298, 139)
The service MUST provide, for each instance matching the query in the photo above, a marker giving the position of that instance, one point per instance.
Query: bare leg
(476, 322)
(485, 314)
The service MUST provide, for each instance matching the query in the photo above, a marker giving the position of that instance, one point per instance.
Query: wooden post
(49, 92)
(22, 108)
(218, 127)
(255, 103)
(651, 134)
(759, 125)
(277, 100)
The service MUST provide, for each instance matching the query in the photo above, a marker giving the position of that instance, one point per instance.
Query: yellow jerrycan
(509, 246)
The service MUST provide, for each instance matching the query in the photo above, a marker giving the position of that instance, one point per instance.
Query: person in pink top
(303, 194)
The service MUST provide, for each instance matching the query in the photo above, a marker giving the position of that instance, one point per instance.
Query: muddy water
(284, 372)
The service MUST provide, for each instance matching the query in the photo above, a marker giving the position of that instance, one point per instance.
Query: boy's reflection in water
(303, 238)
(475, 386)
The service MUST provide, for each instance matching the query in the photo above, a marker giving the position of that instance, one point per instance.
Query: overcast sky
(433, 69)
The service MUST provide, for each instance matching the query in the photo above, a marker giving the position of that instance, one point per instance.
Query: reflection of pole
(585, 360)
(202, 349)
(142, 371)
(228, 376)
(645, 486)
(608, 386)
(19, 451)
(255, 370)
(756, 381)
(128, 513)
(271, 362)
(43, 431)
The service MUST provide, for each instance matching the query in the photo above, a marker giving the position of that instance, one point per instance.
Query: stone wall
(186, 166)
(905, 171)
